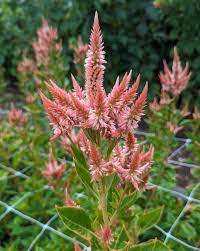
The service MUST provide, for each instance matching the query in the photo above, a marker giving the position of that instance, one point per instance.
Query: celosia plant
(175, 80)
(16, 116)
(53, 171)
(99, 128)
(48, 61)
(169, 119)
(46, 44)
(194, 135)
(80, 51)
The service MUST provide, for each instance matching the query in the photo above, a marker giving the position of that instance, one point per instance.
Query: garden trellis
(46, 226)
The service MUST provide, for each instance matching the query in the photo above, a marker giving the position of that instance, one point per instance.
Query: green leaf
(92, 135)
(154, 245)
(128, 201)
(122, 236)
(148, 220)
(82, 169)
(79, 156)
(85, 177)
(76, 220)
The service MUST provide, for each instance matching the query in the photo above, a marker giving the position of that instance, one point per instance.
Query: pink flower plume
(58, 93)
(53, 170)
(110, 118)
(77, 88)
(175, 80)
(133, 116)
(95, 60)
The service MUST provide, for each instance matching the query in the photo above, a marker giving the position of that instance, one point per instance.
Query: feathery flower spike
(80, 51)
(61, 119)
(175, 80)
(77, 89)
(132, 117)
(94, 63)
(92, 112)
(16, 116)
(53, 170)
(46, 43)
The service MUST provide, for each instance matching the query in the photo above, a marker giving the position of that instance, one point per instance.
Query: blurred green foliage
(137, 34)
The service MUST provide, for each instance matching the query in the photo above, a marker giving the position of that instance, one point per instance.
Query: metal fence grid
(46, 226)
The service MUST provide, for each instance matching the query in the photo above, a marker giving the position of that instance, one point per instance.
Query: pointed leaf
(122, 237)
(82, 168)
(128, 201)
(76, 220)
(79, 156)
(148, 219)
(154, 245)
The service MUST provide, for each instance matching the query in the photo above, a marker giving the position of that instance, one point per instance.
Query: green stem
(103, 202)
(120, 201)
(103, 207)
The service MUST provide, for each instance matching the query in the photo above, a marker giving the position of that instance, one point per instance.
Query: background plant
(147, 41)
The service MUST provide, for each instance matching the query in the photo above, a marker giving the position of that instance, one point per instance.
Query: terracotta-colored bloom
(111, 115)
(76, 246)
(174, 128)
(94, 63)
(53, 170)
(133, 115)
(131, 163)
(175, 80)
(83, 142)
(80, 51)
(61, 118)
(196, 114)
(16, 116)
(47, 43)
(105, 234)
(97, 163)
(68, 200)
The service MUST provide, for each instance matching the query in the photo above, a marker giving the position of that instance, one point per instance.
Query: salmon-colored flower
(61, 119)
(108, 117)
(133, 115)
(111, 115)
(53, 170)
(68, 200)
(80, 51)
(16, 116)
(97, 162)
(131, 163)
(105, 234)
(94, 63)
(46, 43)
(175, 80)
